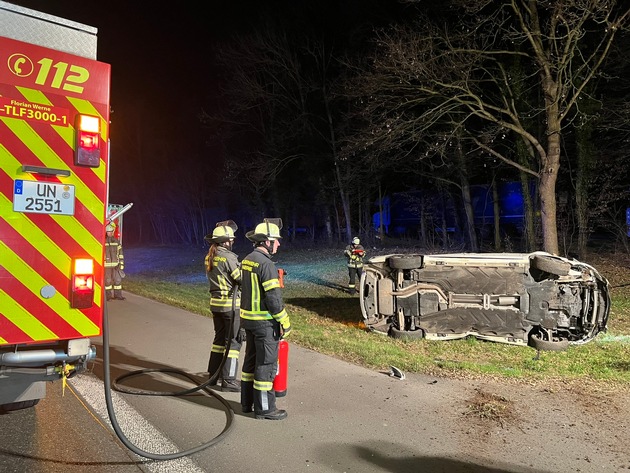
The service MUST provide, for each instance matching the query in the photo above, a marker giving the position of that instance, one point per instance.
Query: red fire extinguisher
(282, 373)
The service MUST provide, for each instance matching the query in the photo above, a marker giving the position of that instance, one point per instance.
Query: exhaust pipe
(39, 357)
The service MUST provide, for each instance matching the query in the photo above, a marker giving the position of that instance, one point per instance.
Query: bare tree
(265, 117)
(322, 57)
(424, 73)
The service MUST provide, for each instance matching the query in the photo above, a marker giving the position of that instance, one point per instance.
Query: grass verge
(328, 320)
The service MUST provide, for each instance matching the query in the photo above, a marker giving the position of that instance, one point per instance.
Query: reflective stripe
(231, 365)
(224, 287)
(281, 316)
(251, 315)
(233, 354)
(223, 303)
(24, 273)
(27, 322)
(271, 284)
(255, 294)
(247, 377)
(263, 385)
(45, 260)
(217, 349)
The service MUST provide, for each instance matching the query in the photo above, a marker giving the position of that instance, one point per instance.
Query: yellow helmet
(224, 231)
(110, 228)
(268, 230)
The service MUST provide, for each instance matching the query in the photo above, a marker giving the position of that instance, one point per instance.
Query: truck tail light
(82, 283)
(88, 149)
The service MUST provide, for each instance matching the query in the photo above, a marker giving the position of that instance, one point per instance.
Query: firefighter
(265, 321)
(354, 253)
(114, 265)
(224, 277)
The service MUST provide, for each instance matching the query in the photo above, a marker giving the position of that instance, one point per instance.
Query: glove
(121, 266)
(286, 327)
(241, 337)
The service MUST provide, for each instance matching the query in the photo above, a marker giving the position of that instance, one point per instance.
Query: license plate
(43, 197)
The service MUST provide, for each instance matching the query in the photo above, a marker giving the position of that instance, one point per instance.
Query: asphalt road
(342, 418)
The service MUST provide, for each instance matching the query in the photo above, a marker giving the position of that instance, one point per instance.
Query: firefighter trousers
(260, 365)
(113, 282)
(222, 321)
(354, 274)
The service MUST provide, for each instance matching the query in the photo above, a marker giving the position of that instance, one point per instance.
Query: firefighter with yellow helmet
(354, 253)
(224, 276)
(114, 264)
(265, 320)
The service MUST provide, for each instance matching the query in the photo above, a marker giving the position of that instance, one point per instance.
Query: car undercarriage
(536, 299)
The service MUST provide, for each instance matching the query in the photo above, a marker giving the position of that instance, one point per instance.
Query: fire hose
(201, 387)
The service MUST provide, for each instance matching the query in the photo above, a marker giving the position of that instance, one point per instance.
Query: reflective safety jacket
(114, 253)
(355, 255)
(261, 296)
(223, 278)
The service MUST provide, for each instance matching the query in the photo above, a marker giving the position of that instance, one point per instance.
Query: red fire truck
(54, 166)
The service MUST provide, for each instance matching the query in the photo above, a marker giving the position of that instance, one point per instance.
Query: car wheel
(16, 406)
(550, 265)
(405, 334)
(547, 345)
(405, 262)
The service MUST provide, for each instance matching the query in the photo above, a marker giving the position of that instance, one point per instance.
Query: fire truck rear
(54, 128)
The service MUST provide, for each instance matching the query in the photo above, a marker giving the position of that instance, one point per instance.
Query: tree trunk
(470, 216)
(529, 234)
(381, 229)
(467, 200)
(337, 221)
(586, 167)
(423, 222)
(496, 211)
(345, 201)
(329, 230)
(547, 189)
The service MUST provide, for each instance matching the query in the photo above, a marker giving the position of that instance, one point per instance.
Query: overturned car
(536, 299)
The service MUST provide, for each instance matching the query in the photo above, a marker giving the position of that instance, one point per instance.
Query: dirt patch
(575, 424)
(490, 407)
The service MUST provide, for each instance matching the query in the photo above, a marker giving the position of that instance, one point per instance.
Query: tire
(405, 262)
(550, 265)
(547, 345)
(16, 406)
(405, 334)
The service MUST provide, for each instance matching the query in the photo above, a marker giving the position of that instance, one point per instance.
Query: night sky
(165, 74)
(150, 49)
(162, 54)
(161, 58)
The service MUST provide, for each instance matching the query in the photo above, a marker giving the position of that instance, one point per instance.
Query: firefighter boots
(204, 376)
(231, 386)
(278, 414)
